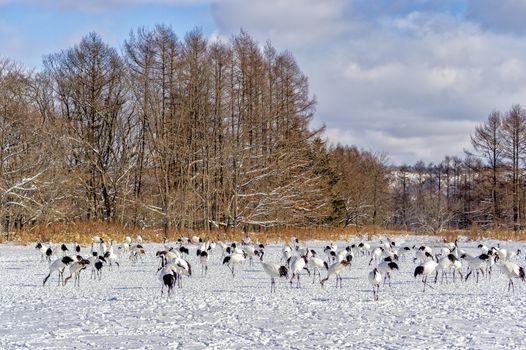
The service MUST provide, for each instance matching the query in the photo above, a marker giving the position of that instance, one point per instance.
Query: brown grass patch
(83, 231)
(476, 235)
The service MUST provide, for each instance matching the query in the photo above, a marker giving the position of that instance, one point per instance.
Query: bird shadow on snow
(131, 288)
(351, 278)
(322, 299)
(252, 271)
(461, 294)
(248, 287)
(255, 278)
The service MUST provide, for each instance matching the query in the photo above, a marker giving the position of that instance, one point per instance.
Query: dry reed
(82, 232)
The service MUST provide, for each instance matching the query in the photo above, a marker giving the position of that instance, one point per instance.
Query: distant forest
(187, 133)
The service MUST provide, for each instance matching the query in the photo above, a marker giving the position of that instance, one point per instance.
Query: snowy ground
(125, 310)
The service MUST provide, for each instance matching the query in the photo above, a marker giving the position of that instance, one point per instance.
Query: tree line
(486, 189)
(167, 132)
(191, 133)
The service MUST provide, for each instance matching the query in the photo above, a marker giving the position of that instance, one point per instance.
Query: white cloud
(413, 83)
(501, 15)
(295, 22)
(512, 70)
(407, 146)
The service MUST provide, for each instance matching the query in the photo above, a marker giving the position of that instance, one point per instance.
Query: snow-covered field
(125, 310)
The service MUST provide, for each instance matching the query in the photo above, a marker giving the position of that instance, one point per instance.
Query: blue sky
(411, 78)
(31, 30)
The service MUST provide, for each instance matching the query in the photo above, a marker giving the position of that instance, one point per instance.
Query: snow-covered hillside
(125, 309)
